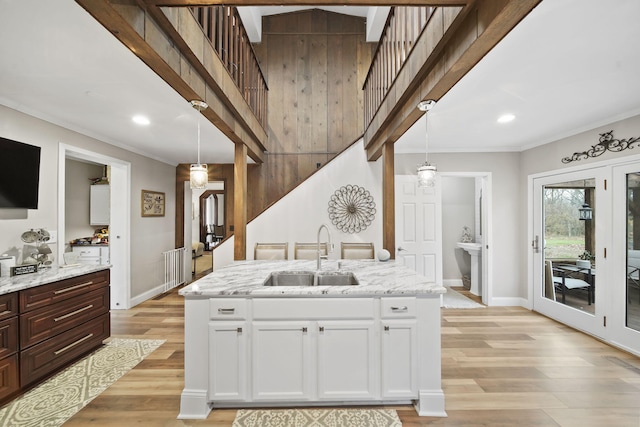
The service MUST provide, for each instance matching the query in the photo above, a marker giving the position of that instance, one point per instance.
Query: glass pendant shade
(198, 176)
(426, 175)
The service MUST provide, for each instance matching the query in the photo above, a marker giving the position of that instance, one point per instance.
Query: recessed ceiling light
(506, 118)
(141, 120)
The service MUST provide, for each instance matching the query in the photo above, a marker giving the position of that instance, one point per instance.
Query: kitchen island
(374, 342)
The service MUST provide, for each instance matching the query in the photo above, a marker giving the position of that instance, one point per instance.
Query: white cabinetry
(315, 350)
(100, 205)
(347, 360)
(92, 254)
(399, 347)
(227, 356)
(281, 360)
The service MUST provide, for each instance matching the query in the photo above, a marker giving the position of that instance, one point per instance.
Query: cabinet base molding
(194, 405)
(430, 404)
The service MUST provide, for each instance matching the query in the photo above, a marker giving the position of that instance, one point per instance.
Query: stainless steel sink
(311, 278)
(337, 278)
(290, 278)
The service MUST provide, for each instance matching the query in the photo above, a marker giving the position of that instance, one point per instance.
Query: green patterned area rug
(317, 418)
(56, 400)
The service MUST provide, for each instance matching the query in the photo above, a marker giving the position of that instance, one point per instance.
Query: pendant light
(198, 175)
(426, 171)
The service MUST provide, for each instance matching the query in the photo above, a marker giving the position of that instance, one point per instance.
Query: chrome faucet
(329, 245)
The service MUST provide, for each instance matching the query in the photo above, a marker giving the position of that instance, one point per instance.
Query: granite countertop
(246, 278)
(46, 275)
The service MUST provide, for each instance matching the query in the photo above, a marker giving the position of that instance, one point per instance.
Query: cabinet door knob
(304, 329)
(239, 330)
(386, 328)
(321, 328)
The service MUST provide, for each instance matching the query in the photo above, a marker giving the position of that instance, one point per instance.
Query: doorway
(420, 224)
(119, 226)
(586, 249)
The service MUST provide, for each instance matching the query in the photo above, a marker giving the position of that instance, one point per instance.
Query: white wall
(297, 216)
(150, 236)
(77, 198)
(458, 210)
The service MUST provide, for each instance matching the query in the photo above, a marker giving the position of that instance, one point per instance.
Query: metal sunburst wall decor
(351, 209)
(606, 143)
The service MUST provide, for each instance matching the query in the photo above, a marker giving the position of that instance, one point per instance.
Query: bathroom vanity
(280, 333)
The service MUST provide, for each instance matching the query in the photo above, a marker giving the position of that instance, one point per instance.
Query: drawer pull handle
(226, 310)
(73, 313)
(73, 344)
(403, 308)
(71, 288)
(5, 312)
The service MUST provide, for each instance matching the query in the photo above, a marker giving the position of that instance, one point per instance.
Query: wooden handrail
(403, 27)
(224, 29)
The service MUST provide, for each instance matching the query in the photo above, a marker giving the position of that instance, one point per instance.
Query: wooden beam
(388, 200)
(171, 59)
(465, 45)
(240, 203)
(306, 2)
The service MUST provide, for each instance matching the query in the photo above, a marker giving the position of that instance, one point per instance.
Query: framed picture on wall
(152, 203)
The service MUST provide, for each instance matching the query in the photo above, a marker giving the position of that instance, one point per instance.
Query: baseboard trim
(139, 299)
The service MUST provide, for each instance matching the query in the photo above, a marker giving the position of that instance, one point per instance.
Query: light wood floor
(501, 366)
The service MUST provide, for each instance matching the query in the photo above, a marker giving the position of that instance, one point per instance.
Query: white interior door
(418, 226)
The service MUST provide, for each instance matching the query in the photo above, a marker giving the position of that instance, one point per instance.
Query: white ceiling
(571, 65)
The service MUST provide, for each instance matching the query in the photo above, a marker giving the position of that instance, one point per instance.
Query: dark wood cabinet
(9, 384)
(45, 328)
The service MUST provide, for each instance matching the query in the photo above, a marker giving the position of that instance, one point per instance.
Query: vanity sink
(310, 278)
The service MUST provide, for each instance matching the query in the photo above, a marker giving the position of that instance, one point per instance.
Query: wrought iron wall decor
(606, 143)
(351, 209)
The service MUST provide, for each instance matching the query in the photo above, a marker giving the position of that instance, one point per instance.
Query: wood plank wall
(315, 63)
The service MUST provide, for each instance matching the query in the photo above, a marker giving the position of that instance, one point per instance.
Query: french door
(625, 260)
(565, 288)
(585, 251)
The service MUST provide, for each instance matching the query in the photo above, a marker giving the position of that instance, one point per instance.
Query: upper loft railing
(223, 27)
(404, 26)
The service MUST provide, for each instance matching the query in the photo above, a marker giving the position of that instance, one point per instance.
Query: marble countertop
(46, 275)
(246, 278)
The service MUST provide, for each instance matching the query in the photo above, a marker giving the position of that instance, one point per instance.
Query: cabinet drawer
(91, 251)
(46, 295)
(8, 337)
(46, 322)
(313, 308)
(227, 308)
(8, 305)
(402, 307)
(9, 384)
(42, 359)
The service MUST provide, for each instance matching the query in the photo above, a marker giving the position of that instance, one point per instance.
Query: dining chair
(264, 251)
(564, 282)
(308, 250)
(356, 251)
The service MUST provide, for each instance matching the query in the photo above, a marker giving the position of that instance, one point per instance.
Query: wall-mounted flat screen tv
(19, 174)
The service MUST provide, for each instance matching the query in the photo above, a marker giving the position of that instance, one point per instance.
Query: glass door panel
(632, 294)
(569, 243)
